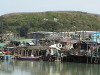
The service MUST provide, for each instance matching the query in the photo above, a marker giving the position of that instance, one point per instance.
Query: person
(52, 58)
(62, 55)
(48, 54)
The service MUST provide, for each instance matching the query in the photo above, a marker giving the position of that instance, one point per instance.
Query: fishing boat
(29, 58)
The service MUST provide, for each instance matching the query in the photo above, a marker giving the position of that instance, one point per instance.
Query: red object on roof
(64, 40)
(7, 52)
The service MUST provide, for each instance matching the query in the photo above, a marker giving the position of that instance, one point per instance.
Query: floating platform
(82, 59)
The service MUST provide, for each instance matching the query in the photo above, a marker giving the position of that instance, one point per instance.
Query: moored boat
(29, 58)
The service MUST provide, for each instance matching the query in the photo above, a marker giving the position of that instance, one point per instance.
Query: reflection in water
(15, 67)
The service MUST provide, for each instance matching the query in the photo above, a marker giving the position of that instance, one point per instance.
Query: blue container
(7, 57)
(96, 37)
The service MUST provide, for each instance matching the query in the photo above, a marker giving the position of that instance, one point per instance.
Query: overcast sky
(13, 6)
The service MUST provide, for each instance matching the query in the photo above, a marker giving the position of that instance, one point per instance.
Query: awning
(3, 44)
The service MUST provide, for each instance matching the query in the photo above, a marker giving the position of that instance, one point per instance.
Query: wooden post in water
(21, 52)
(25, 52)
(87, 53)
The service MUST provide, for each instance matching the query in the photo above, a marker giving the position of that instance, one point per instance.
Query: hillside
(48, 21)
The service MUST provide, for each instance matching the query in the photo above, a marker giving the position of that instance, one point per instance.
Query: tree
(24, 30)
(50, 26)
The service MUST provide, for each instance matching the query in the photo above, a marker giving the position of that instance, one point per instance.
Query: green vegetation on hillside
(48, 21)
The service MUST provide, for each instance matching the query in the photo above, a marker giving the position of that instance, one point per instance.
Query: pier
(28, 51)
(82, 59)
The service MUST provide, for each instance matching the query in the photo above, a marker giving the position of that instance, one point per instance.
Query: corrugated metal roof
(3, 44)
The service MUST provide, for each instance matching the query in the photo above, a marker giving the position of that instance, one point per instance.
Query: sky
(15, 6)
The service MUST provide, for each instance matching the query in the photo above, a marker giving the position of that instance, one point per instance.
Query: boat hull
(28, 58)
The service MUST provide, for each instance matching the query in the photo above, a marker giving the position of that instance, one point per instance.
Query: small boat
(29, 58)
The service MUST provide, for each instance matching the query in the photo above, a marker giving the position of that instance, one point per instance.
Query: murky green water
(47, 68)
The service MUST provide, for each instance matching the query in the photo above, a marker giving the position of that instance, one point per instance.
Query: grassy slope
(44, 21)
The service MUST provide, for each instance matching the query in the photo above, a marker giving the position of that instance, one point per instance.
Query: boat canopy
(54, 46)
(3, 44)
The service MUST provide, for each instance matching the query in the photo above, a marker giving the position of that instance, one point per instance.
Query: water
(15, 67)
